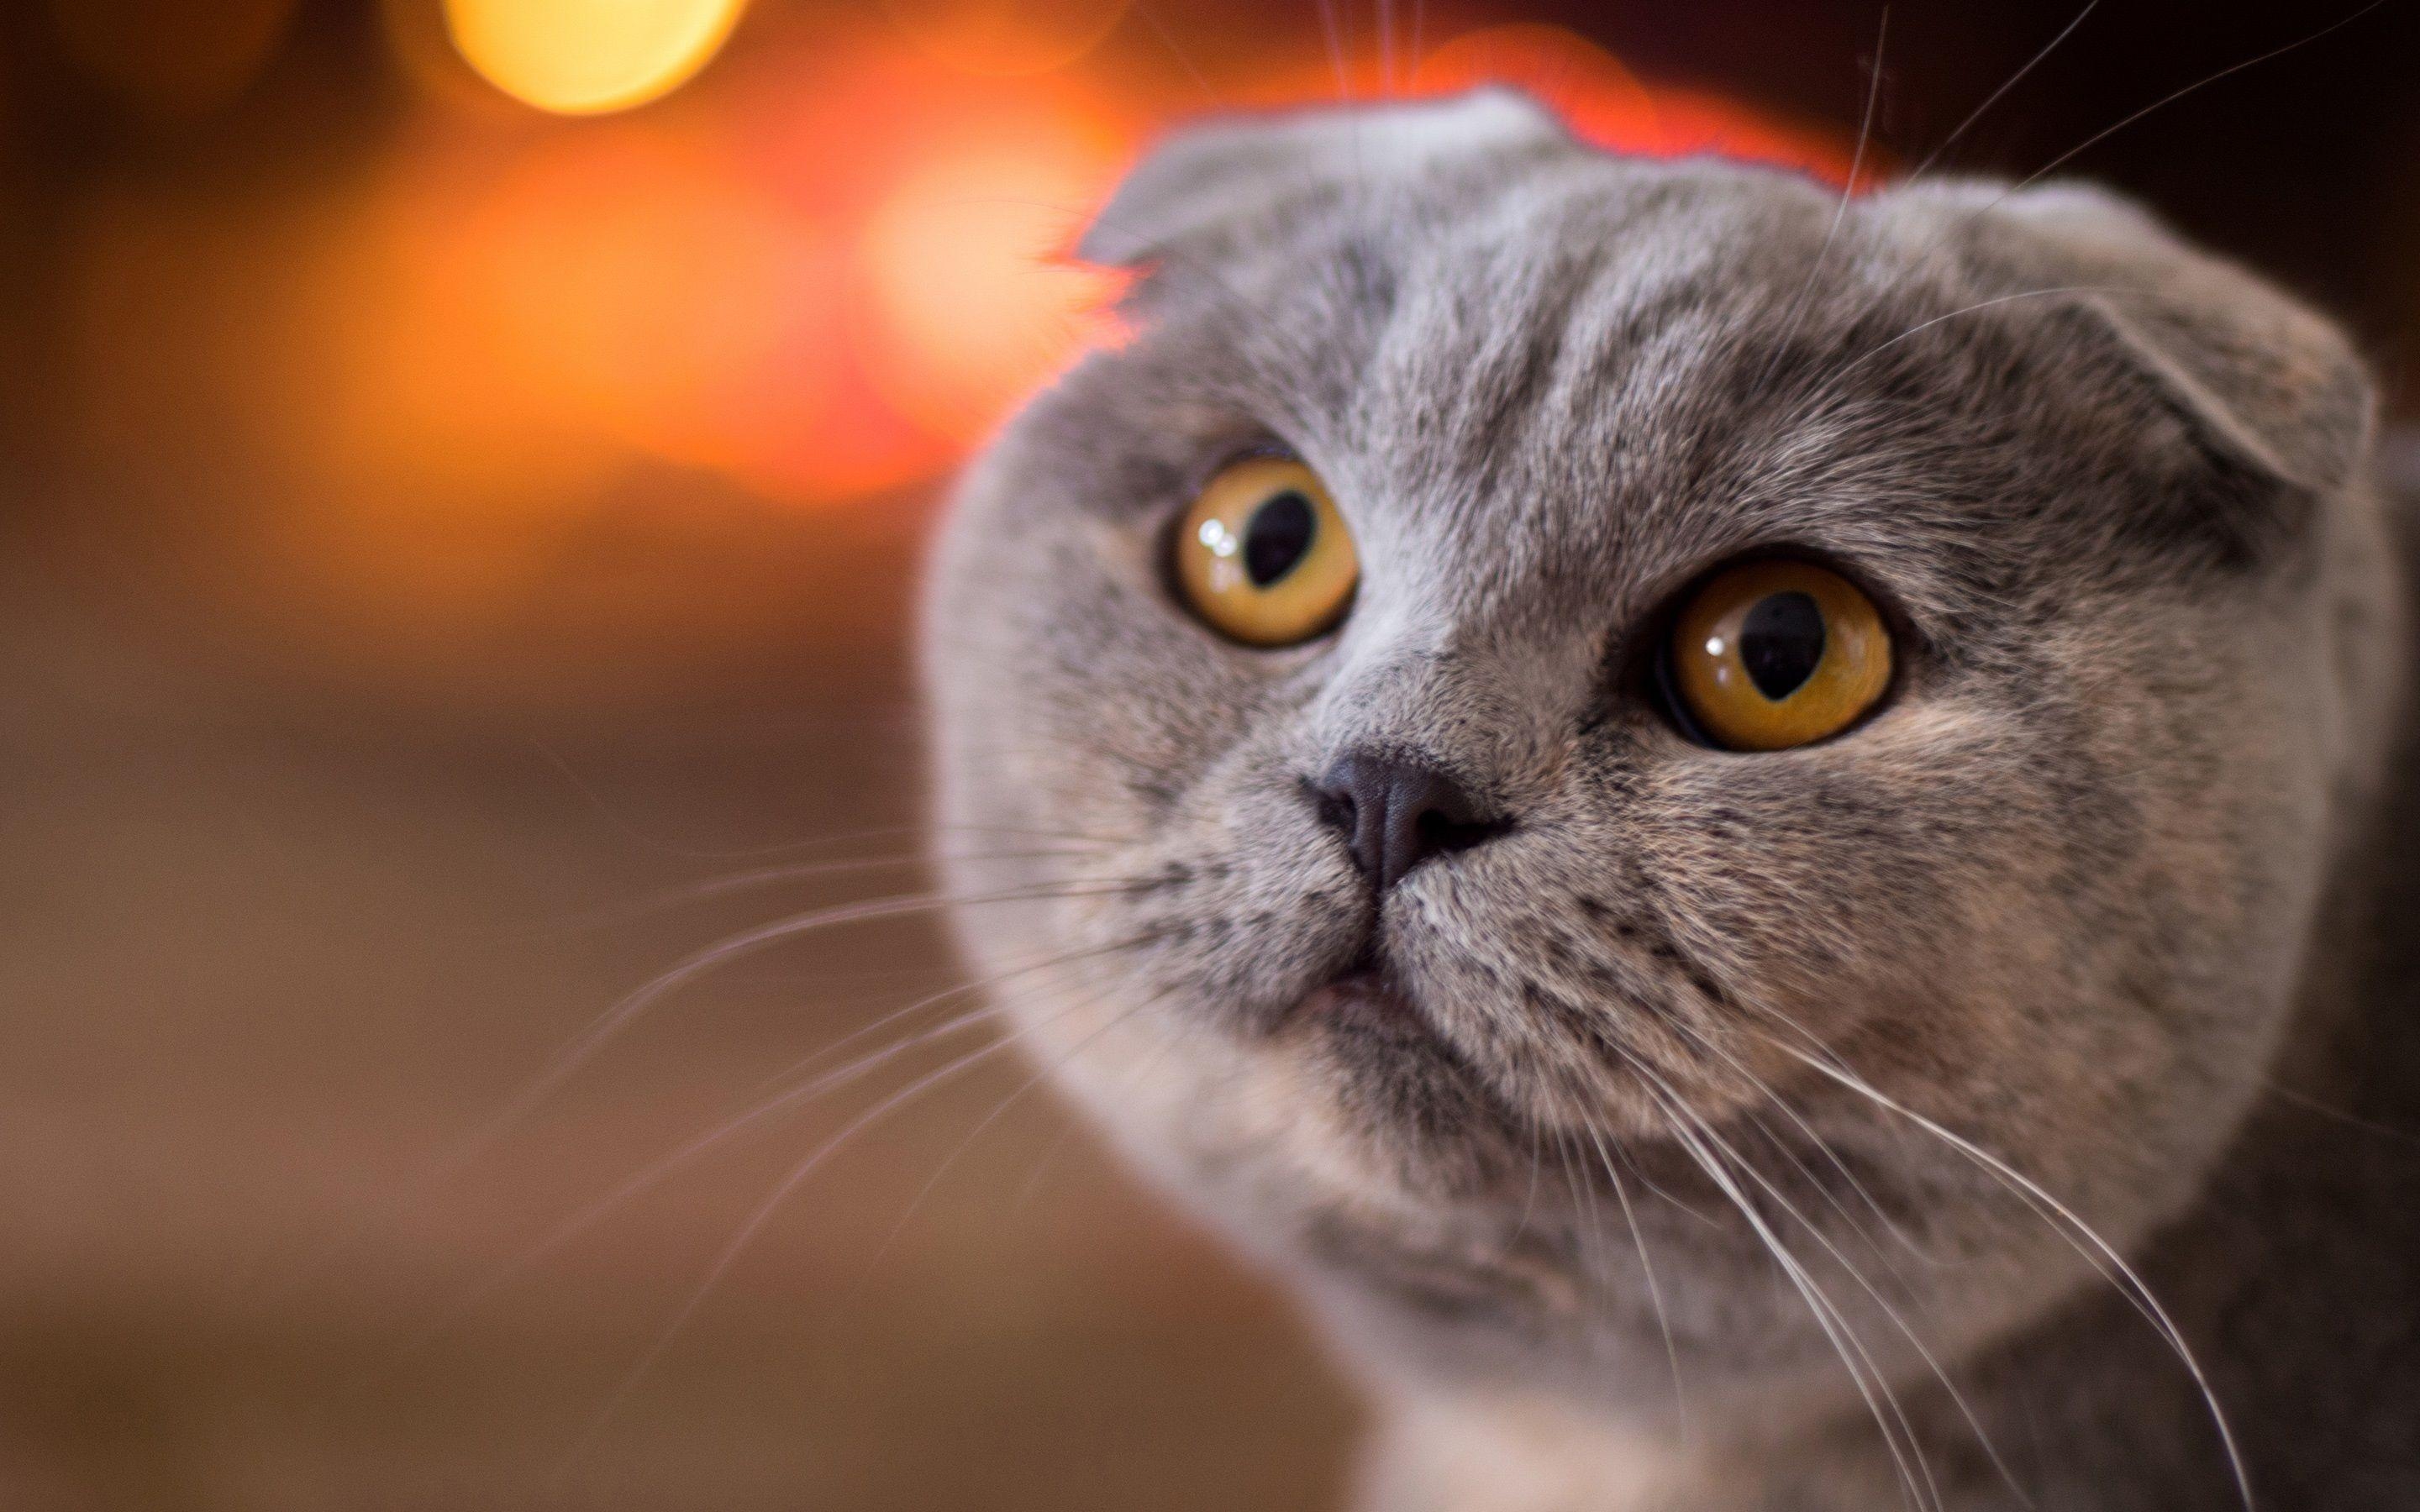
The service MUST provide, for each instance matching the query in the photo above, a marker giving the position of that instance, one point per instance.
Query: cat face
(1430, 932)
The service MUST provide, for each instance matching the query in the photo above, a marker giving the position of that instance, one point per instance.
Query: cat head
(1378, 744)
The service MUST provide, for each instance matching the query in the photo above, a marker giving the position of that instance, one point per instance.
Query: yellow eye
(1773, 654)
(1262, 555)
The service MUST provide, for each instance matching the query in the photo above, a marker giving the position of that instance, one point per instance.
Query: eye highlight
(1773, 654)
(1263, 556)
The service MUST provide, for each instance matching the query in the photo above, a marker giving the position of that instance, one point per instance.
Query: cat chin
(1432, 1301)
(1441, 1119)
(1463, 1224)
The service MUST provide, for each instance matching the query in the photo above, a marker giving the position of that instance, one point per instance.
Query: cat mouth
(1374, 1016)
(1403, 1082)
(1367, 994)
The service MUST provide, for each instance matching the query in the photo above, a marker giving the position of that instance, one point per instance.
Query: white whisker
(1839, 212)
(1654, 1290)
(1983, 1437)
(2170, 98)
(1023, 1091)
(2127, 1281)
(1898, 1437)
(763, 1214)
(665, 1167)
(1996, 96)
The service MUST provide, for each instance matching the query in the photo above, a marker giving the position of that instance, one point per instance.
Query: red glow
(822, 271)
(1599, 99)
(973, 310)
(1004, 36)
(1604, 104)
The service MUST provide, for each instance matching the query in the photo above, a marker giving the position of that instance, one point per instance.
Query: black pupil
(1780, 642)
(1277, 537)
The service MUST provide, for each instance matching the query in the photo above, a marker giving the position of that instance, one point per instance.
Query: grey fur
(2099, 878)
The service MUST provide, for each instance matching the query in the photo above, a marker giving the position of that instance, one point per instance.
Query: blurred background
(462, 464)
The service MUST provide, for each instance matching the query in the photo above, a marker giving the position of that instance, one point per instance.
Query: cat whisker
(730, 1250)
(1383, 16)
(2170, 98)
(596, 801)
(789, 1098)
(665, 1166)
(1830, 387)
(1654, 1289)
(764, 1212)
(1839, 212)
(798, 871)
(1899, 1322)
(1023, 1091)
(1142, 1073)
(746, 852)
(1655, 1188)
(1529, 1203)
(1184, 60)
(620, 1015)
(1333, 31)
(1997, 95)
(1823, 1189)
(807, 1062)
(1975, 217)
(1823, 1147)
(2352, 1120)
(2103, 1255)
(1584, 1207)
(1898, 1435)
(568, 1062)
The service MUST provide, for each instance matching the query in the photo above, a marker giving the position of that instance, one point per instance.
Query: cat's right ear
(1216, 180)
(2265, 386)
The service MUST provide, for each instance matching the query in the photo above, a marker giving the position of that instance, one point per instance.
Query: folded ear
(1209, 180)
(2263, 382)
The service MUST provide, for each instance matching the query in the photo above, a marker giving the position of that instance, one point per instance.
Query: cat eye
(1262, 556)
(1772, 653)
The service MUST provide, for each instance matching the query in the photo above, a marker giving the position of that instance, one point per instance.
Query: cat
(1380, 758)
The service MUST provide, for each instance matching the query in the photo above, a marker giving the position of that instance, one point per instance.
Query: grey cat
(1983, 1092)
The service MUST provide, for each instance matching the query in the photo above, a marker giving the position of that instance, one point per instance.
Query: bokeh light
(813, 280)
(583, 56)
(459, 554)
(960, 260)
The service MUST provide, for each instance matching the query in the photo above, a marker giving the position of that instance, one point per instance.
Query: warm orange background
(433, 529)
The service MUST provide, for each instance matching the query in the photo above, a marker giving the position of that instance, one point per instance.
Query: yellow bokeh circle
(580, 57)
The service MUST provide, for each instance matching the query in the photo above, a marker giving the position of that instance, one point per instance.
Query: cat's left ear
(2266, 384)
(1223, 178)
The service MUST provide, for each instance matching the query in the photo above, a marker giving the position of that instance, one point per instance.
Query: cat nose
(1396, 812)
